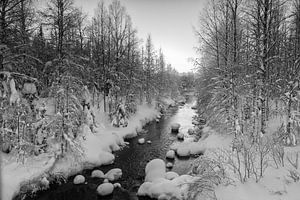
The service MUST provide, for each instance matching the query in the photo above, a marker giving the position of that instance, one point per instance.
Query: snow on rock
(169, 165)
(117, 185)
(97, 174)
(105, 189)
(170, 154)
(180, 136)
(183, 151)
(106, 181)
(79, 179)
(175, 127)
(149, 142)
(171, 175)
(155, 169)
(141, 140)
(113, 174)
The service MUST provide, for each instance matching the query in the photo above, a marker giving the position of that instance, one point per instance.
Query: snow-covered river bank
(132, 159)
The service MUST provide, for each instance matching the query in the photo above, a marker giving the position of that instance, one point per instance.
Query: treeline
(250, 66)
(60, 41)
(59, 54)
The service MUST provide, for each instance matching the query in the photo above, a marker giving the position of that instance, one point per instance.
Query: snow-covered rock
(97, 174)
(155, 169)
(169, 165)
(106, 181)
(157, 120)
(180, 136)
(141, 140)
(183, 151)
(149, 142)
(105, 189)
(113, 174)
(170, 154)
(171, 175)
(175, 127)
(79, 179)
(117, 185)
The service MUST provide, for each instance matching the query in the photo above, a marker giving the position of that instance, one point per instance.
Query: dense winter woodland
(74, 89)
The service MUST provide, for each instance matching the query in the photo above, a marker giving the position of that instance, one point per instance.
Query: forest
(56, 52)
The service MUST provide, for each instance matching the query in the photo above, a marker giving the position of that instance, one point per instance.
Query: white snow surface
(98, 148)
(105, 189)
(155, 169)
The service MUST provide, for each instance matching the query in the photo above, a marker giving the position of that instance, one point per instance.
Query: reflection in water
(132, 159)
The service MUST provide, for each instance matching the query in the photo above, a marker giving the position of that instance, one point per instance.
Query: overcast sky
(168, 21)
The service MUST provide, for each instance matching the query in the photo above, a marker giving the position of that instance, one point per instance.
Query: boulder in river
(97, 174)
(169, 165)
(117, 185)
(155, 169)
(141, 140)
(170, 154)
(105, 189)
(113, 174)
(149, 142)
(175, 128)
(79, 179)
(183, 151)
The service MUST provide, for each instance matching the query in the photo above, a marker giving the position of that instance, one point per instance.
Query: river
(132, 159)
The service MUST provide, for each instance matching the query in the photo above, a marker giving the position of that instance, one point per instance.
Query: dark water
(132, 159)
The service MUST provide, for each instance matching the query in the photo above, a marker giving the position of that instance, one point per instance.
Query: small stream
(132, 159)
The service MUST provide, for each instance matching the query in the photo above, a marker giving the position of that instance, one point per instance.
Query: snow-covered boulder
(113, 174)
(155, 169)
(171, 175)
(141, 140)
(157, 120)
(117, 185)
(79, 179)
(105, 189)
(149, 142)
(169, 165)
(170, 154)
(106, 181)
(97, 174)
(196, 148)
(175, 127)
(180, 136)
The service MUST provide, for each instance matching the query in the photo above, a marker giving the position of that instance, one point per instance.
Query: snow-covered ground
(98, 150)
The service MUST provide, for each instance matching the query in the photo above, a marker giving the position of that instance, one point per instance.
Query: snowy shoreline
(98, 150)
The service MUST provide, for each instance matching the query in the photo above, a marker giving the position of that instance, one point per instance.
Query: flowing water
(132, 159)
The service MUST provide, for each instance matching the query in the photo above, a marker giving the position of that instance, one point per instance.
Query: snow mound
(171, 175)
(170, 154)
(117, 185)
(141, 140)
(79, 179)
(97, 174)
(113, 174)
(155, 169)
(149, 142)
(105, 189)
(191, 131)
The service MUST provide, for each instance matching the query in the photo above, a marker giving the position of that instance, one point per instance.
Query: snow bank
(166, 189)
(98, 148)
